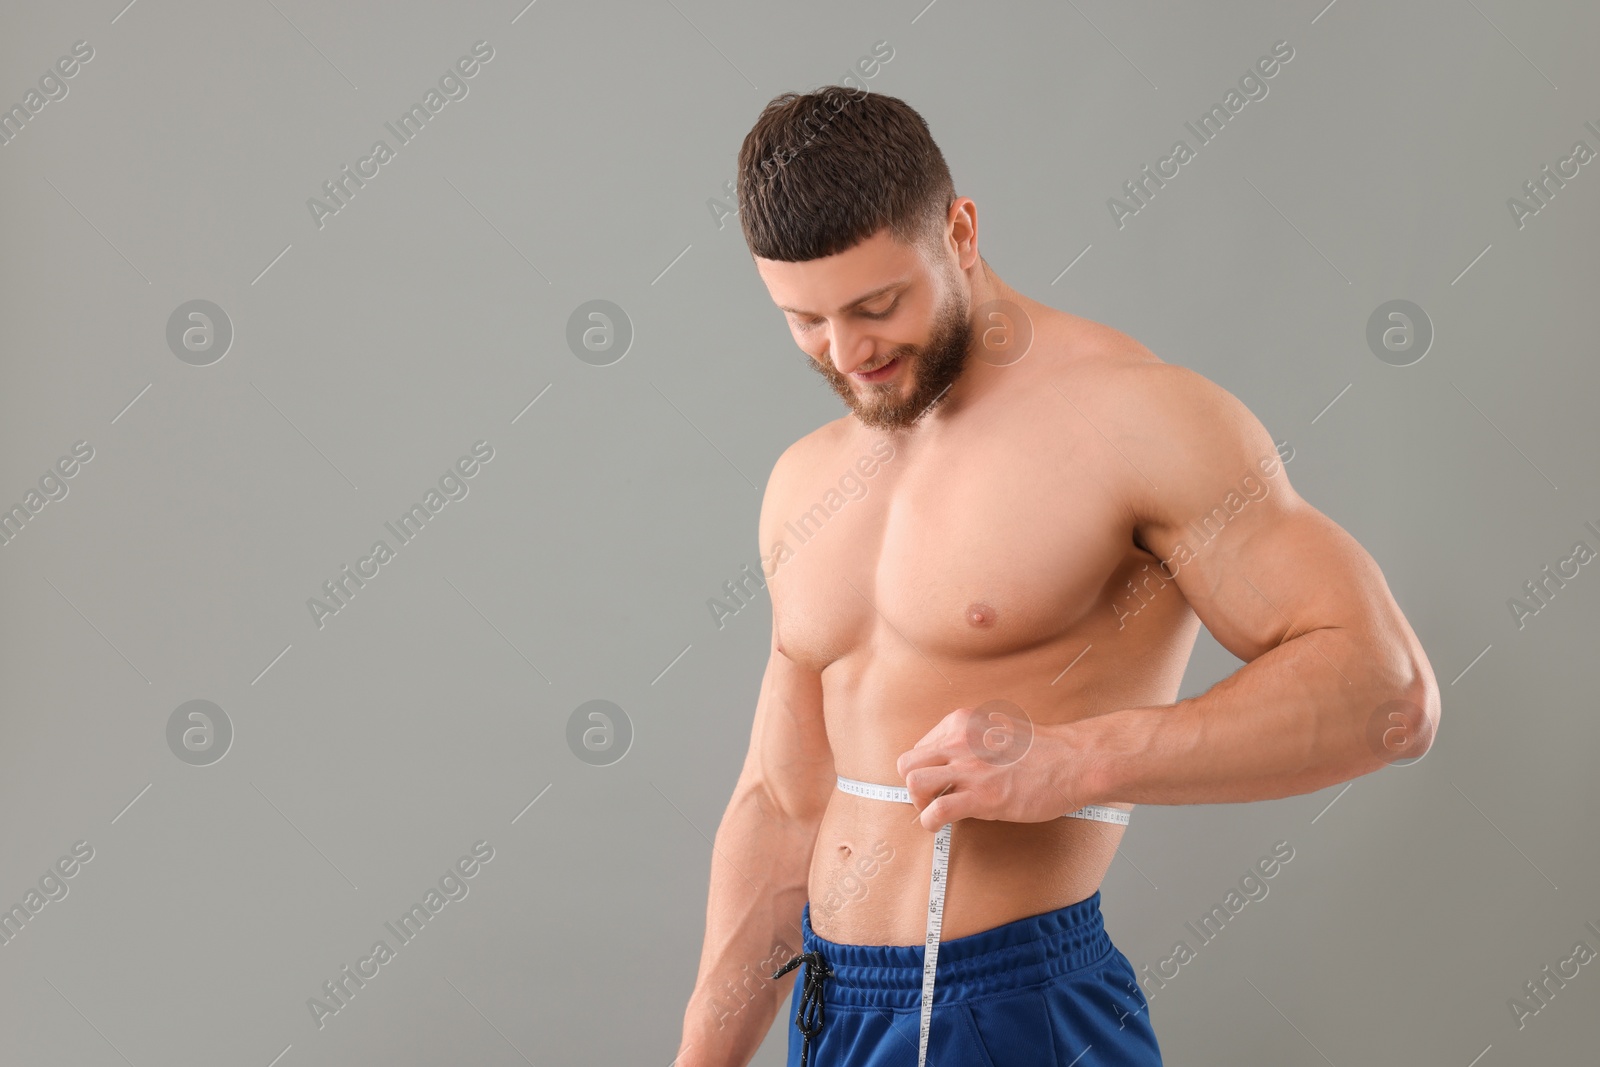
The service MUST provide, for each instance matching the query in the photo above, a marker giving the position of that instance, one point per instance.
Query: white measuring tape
(936, 884)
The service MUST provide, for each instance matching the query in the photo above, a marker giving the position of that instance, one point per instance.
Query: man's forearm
(1321, 708)
(759, 865)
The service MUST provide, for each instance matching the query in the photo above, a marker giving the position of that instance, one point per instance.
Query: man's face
(876, 304)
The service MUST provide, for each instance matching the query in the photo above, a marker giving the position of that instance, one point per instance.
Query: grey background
(432, 711)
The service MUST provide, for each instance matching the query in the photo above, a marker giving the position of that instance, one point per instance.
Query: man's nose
(849, 349)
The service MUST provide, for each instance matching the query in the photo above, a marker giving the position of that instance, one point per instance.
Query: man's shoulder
(1167, 429)
(1115, 377)
(804, 452)
(792, 465)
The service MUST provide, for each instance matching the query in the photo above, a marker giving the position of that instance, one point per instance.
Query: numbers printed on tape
(930, 957)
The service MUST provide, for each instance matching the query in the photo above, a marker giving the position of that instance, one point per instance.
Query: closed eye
(876, 316)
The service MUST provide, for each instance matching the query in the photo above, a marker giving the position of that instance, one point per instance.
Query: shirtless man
(998, 618)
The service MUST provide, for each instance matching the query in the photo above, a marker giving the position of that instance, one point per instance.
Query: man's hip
(1038, 991)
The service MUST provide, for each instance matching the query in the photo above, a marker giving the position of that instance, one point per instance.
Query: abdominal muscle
(870, 870)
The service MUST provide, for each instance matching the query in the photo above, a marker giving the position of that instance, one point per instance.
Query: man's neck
(992, 298)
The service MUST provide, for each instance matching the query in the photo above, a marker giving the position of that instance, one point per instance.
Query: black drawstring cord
(808, 1016)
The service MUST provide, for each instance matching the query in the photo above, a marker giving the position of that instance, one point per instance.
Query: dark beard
(933, 368)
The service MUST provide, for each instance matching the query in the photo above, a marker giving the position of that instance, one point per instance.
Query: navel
(981, 614)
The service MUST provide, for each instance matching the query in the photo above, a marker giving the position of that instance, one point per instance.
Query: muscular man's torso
(978, 564)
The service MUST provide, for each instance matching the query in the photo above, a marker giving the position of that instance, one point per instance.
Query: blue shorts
(1047, 989)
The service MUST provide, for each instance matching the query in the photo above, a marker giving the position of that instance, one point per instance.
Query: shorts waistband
(1012, 955)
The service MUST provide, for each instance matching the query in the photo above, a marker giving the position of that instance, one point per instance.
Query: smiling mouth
(879, 374)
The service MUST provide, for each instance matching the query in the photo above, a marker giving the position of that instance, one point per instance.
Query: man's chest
(951, 557)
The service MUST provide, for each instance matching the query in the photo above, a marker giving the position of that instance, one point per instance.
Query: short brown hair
(820, 171)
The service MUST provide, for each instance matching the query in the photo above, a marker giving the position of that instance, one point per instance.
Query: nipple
(980, 614)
